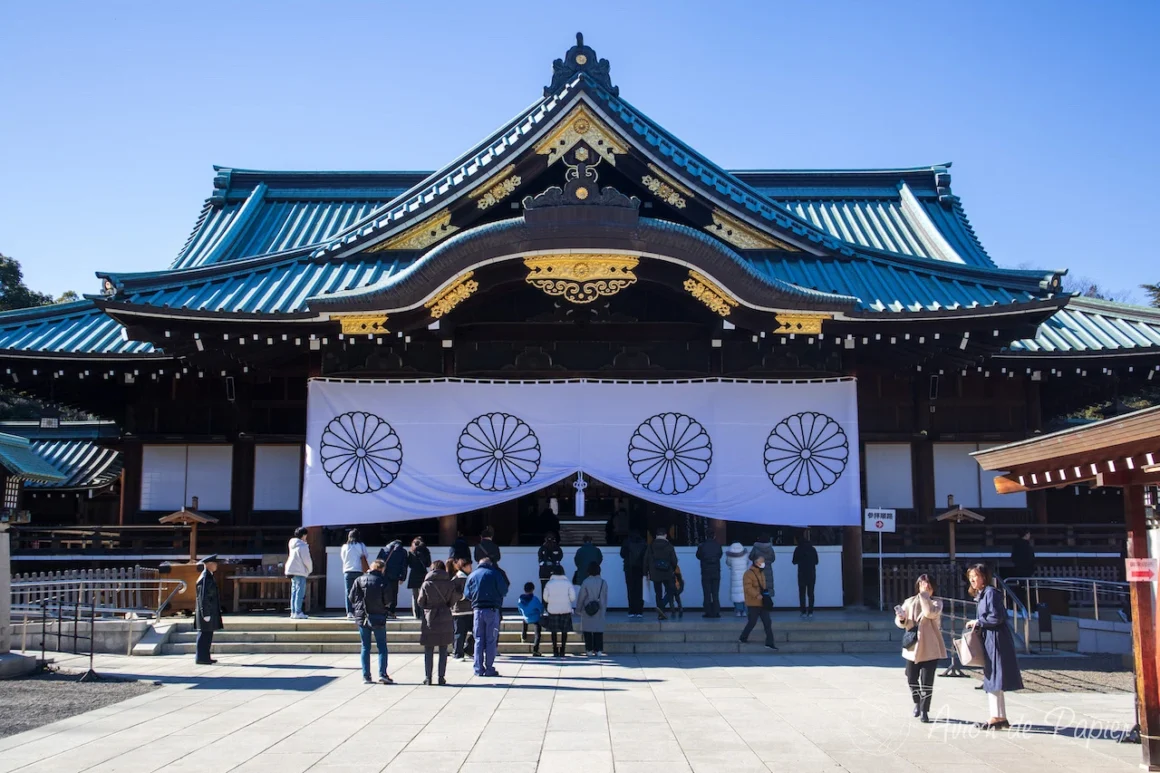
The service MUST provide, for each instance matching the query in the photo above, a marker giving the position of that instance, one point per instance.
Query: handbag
(910, 638)
(969, 648)
(767, 602)
(592, 608)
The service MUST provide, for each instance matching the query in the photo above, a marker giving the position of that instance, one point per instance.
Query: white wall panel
(955, 472)
(162, 477)
(209, 476)
(889, 479)
(277, 477)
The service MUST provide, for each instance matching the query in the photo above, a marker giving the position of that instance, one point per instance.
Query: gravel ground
(45, 698)
(1092, 674)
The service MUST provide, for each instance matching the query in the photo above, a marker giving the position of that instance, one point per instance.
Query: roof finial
(580, 59)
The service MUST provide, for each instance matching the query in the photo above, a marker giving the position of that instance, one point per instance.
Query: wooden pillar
(1143, 630)
(448, 529)
(131, 459)
(720, 529)
(852, 575)
(924, 480)
(1037, 503)
(242, 493)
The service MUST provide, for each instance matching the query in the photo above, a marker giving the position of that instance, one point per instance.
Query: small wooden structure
(186, 600)
(253, 589)
(956, 515)
(1122, 452)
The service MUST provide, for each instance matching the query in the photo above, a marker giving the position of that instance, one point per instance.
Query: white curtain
(764, 452)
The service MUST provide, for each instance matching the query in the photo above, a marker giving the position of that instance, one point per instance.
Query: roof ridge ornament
(580, 59)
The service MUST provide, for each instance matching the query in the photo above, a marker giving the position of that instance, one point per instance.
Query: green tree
(14, 294)
(67, 296)
(1153, 293)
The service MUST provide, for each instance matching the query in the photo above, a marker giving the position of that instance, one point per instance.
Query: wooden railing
(998, 538)
(144, 540)
(898, 579)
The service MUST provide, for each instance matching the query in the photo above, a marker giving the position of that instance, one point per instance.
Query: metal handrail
(28, 595)
(1115, 589)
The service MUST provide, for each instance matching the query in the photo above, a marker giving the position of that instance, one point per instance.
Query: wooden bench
(262, 591)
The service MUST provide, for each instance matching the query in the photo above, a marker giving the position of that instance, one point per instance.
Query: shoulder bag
(592, 608)
(970, 647)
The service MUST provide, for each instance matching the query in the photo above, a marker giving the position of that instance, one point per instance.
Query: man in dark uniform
(208, 616)
(709, 554)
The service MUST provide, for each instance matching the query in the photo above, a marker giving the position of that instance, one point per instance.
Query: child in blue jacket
(531, 608)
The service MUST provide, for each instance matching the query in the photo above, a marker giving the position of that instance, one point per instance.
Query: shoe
(917, 709)
(303, 616)
(368, 680)
(681, 615)
(810, 615)
(427, 681)
(536, 654)
(925, 718)
(771, 647)
(350, 617)
(384, 679)
(442, 682)
(803, 615)
(742, 641)
(524, 638)
(601, 654)
(588, 654)
(661, 616)
(492, 673)
(205, 662)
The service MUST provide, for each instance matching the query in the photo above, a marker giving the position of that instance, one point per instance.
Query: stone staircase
(828, 633)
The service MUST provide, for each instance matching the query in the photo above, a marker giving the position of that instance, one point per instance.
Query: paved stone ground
(732, 713)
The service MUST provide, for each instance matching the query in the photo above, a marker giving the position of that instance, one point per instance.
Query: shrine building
(579, 243)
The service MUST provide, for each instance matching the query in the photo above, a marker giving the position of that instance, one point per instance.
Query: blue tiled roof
(1091, 325)
(77, 328)
(83, 463)
(17, 456)
(260, 286)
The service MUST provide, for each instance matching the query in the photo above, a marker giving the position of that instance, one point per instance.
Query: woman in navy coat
(1000, 666)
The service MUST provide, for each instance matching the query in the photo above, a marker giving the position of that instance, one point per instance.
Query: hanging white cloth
(764, 452)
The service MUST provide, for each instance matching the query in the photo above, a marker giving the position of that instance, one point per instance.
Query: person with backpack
(661, 563)
(418, 561)
(486, 587)
(461, 612)
(592, 604)
(709, 554)
(764, 547)
(487, 547)
(299, 566)
(368, 597)
(549, 555)
(559, 597)
(394, 558)
(633, 552)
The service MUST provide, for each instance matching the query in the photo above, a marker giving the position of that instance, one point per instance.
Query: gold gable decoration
(420, 236)
(744, 236)
(502, 186)
(581, 125)
(666, 188)
(709, 293)
(581, 278)
(806, 323)
(355, 323)
(454, 294)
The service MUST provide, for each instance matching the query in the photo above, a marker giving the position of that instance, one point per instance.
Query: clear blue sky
(114, 112)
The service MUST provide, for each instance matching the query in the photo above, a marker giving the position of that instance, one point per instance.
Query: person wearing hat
(209, 610)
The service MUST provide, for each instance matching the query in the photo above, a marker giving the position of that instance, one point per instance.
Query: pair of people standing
(923, 646)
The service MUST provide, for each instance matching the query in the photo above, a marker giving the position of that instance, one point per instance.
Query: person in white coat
(299, 566)
(559, 599)
(738, 561)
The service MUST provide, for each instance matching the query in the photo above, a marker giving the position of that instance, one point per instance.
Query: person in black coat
(709, 554)
(549, 556)
(460, 550)
(633, 552)
(209, 610)
(418, 561)
(487, 547)
(1023, 557)
(805, 558)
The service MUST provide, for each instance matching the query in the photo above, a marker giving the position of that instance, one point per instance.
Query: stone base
(13, 666)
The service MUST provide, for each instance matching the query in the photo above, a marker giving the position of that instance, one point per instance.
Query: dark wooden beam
(1143, 631)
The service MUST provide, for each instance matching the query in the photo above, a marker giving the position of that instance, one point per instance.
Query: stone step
(319, 637)
(575, 646)
(839, 629)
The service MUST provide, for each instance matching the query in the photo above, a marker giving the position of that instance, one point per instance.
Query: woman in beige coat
(922, 614)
